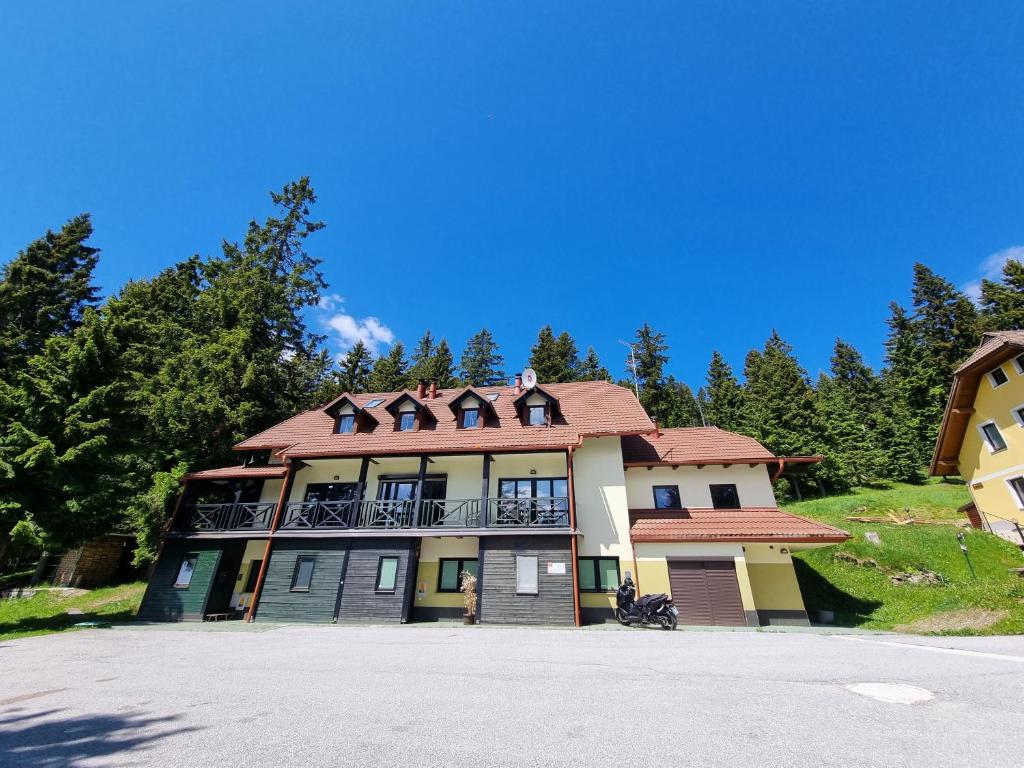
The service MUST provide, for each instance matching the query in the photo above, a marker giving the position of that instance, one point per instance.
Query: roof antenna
(632, 363)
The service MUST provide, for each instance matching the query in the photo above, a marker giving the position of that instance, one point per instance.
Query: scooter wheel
(669, 622)
(622, 617)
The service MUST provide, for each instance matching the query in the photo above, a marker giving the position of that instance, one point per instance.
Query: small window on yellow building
(992, 436)
(998, 377)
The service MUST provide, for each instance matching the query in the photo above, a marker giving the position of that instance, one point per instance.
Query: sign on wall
(556, 569)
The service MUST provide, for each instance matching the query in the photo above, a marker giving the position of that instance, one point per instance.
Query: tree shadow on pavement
(48, 739)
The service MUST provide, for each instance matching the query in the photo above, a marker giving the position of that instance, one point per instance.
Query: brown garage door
(706, 592)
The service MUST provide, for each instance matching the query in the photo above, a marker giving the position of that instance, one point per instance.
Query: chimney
(433, 389)
(421, 389)
(657, 431)
(518, 390)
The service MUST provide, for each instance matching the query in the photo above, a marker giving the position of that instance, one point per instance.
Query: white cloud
(349, 329)
(992, 268)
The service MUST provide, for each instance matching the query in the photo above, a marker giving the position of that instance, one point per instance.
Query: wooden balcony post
(364, 468)
(485, 484)
(286, 488)
(572, 538)
(418, 498)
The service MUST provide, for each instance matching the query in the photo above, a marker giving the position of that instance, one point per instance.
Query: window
(331, 492)
(374, 403)
(470, 418)
(990, 432)
(387, 574)
(449, 577)
(724, 497)
(599, 574)
(1018, 414)
(998, 377)
(254, 572)
(346, 423)
(185, 570)
(526, 574)
(1017, 486)
(303, 575)
(406, 421)
(538, 415)
(667, 497)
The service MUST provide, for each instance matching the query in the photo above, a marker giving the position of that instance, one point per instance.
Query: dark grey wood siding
(279, 603)
(500, 604)
(360, 600)
(165, 602)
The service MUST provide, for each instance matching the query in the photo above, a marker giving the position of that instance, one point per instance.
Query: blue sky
(716, 169)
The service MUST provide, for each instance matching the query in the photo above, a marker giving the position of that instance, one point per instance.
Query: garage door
(706, 592)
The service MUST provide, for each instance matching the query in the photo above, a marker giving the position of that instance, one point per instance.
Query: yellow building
(982, 433)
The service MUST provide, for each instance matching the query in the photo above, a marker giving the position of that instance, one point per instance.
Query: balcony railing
(533, 512)
(459, 513)
(233, 517)
(307, 515)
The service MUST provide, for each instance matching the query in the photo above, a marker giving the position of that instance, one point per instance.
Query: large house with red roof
(373, 506)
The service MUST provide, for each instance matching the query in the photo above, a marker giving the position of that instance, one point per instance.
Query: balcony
(435, 514)
(255, 516)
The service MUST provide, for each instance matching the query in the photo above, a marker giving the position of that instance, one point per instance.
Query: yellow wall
(602, 513)
(431, 552)
(253, 551)
(775, 587)
(986, 472)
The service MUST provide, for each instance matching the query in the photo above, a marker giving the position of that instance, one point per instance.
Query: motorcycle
(649, 610)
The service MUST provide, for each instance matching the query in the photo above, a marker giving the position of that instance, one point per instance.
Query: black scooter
(649, 610)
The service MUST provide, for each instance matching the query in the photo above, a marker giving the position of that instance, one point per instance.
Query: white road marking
(934, 648)
(892, 693)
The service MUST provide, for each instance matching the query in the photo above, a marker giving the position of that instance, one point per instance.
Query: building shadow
(822, 595)
(48, 739)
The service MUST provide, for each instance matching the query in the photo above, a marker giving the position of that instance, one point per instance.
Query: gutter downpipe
(782, 468)
(286, 488)
(572, 541)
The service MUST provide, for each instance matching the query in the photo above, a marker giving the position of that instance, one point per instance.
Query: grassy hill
(855, 579)
(47, 610)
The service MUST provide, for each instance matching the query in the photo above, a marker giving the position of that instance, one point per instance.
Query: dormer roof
(485, 404)
(363, 417)
(393, 406)
(550, 399)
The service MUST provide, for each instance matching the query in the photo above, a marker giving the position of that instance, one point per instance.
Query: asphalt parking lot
(237, 695)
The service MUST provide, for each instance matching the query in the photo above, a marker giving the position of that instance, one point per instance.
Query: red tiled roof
(587, 409)
(691, 445)
(746, 524)
(227, 473)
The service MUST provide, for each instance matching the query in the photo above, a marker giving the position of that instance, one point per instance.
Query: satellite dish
(529, 378)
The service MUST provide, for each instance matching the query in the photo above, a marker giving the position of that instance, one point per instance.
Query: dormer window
(406, 421)
(349, 417)
(346, 424)
(470, 418)
(538, 416)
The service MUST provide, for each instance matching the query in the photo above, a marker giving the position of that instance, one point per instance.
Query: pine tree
(481, 362)
(442, 366)
(849, 405)
(44, 291)
(390, 372)
(723, 395)
(780, 409)
(649, 352)
(1002, 301)
(681, 409)
(420, 368)
(554, 359)
(354, 373)
(591, 368)
(905, 398)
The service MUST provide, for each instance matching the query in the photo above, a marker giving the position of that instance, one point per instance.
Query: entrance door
(706, 592)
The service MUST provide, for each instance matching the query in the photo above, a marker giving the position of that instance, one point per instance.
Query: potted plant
(468, 589)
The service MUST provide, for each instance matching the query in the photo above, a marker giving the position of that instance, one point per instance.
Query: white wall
(752, 484)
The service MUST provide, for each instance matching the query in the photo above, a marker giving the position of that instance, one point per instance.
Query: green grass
(47, 612)
(863, 596)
